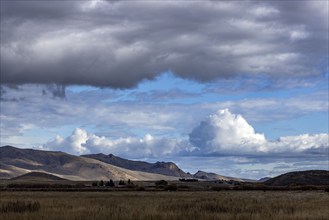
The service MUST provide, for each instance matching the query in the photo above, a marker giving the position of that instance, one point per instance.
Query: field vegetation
(158, 205)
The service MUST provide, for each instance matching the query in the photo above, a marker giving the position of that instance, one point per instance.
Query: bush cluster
(101, 183)
(171, 187)
(188, 180)
(161, 183)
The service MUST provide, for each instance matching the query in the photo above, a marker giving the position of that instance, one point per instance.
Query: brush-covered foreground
(278, 205)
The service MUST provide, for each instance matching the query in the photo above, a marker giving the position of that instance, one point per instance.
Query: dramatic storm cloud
(234, 87)
(120, 43)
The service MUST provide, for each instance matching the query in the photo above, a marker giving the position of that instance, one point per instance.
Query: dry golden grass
(244, 205)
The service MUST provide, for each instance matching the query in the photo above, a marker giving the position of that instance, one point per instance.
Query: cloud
(108, 112)
(223, 132)
(276, 109)
(227, 133)
(73, 143)
(313, 143)
(17, 93)
(81, 142)
(120, 43)
(55, 89)
(222, 142)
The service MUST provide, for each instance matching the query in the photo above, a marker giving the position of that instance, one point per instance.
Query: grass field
(242, 205)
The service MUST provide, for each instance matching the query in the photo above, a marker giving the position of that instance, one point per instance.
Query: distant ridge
(263, 179)
(164, 168)
(301, 178)
(213, 176)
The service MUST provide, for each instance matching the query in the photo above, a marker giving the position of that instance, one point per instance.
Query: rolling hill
(211, 176)
(300, 178)
(15, 162)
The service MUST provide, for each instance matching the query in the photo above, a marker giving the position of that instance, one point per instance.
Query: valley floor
(244, 205)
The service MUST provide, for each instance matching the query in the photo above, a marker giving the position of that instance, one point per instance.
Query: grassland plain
(243, 205)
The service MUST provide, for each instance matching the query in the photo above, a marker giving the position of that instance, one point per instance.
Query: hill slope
(38, 176)
(213, 176)
(15, 162)
(164, 168)
(310, 177)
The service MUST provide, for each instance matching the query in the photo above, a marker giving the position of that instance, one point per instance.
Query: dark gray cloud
(55, 90)
(118, 44)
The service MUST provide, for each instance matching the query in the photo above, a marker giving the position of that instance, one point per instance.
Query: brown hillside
(301, 178)
(164, 168)
(15, 162)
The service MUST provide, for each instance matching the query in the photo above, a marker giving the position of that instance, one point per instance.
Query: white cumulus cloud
(300, 143)
(225, 132)
(222, 133)
(72, 144)
(82, 142)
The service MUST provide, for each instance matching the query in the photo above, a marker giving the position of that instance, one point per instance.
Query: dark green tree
(110, 183)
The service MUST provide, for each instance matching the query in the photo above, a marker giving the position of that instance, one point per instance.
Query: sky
(239, 88)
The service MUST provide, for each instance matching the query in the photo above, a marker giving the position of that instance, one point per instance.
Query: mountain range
(15, 162)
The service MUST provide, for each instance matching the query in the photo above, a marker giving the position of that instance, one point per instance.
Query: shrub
(219, 188)
(141, 188)
(161, 183)
(183, 187)
(80, 185)
(171, 187)
(132, 186)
